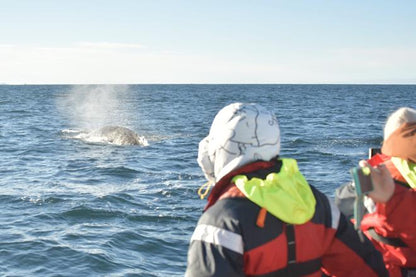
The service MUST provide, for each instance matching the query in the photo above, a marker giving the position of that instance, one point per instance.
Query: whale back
(119, 135)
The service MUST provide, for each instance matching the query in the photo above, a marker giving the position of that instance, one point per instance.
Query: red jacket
(236, 237)
(394, 219)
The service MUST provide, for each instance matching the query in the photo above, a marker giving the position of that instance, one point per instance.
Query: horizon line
(133, 84)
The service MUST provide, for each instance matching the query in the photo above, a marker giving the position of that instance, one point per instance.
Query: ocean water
(73, 207)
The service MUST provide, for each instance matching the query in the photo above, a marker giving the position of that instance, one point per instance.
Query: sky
(207, 42)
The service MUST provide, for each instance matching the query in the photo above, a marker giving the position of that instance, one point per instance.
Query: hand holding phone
(382, 183)
(362, 180)
(380, 191)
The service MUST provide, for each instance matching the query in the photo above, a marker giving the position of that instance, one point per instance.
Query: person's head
(240, 134)
(397, 118)
(399, 134)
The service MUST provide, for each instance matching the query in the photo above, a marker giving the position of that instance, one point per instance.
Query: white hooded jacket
(240, 134)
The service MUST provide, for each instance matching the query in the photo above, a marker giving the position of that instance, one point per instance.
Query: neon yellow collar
(286, 194)
(407, 169)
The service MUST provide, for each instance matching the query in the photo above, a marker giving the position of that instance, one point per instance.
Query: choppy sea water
(73, 207)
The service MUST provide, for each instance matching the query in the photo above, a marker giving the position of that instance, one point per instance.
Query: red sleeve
(398, 215)
(346, 251)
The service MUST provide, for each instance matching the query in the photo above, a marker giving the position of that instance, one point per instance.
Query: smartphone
(373, 151)
(362, 180)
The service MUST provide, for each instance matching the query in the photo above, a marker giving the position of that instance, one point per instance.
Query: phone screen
(362, 180)
(373, 151)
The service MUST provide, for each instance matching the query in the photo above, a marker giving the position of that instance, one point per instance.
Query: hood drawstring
(205, 186)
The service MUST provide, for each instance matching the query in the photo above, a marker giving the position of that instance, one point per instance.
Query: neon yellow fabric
(407, 169)
(285, 195)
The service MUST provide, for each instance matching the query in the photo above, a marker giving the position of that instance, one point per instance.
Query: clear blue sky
(132, 41)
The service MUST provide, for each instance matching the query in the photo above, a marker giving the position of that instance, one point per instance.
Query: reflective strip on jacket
(228, 242)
